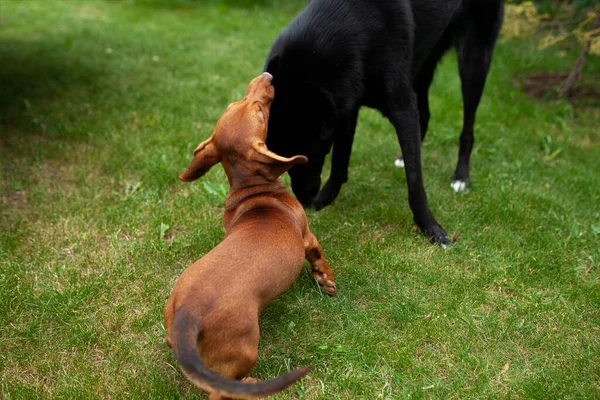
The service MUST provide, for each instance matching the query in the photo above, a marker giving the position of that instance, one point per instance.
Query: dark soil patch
(546, 85)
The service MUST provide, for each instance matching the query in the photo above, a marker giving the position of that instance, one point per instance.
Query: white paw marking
(399, 162)
(459, 186)
(444, 246)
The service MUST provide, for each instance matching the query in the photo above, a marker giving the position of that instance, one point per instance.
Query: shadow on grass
(39, 73)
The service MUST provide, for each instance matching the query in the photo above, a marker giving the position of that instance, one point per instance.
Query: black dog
(338, 55)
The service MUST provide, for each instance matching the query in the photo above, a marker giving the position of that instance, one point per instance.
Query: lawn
(101, 106)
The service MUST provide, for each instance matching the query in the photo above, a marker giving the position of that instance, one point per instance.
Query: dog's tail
(184, 341)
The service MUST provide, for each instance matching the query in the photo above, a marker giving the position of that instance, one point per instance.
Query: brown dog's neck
(239, 186)
(241, 194)
(249, 188)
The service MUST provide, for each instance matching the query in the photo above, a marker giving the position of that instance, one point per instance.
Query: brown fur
(212, 314)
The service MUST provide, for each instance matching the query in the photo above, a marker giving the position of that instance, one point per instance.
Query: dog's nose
(268, 76)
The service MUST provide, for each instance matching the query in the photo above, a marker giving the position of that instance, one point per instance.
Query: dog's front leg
(320, 269)
(340, 159)
(405, 118)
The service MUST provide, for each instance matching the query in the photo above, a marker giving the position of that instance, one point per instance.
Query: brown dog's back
(263, 238)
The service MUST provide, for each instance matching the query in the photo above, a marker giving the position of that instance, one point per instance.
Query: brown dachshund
(212, 314)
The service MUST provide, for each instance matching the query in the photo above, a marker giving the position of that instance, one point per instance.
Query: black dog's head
(302, 121)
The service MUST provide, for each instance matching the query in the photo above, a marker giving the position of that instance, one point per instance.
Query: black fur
(338, 55)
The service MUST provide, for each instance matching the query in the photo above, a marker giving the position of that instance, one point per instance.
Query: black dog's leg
(473, 68)
(340, 159)
(424, 114)
(422, 91)
(423, 82)
(405, 118)
(474, 46)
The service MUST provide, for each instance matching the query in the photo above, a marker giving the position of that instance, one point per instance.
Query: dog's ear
(205, 156)
(275, 164)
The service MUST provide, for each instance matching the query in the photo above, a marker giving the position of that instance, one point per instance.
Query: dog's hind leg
(340, 159)
(474, 41)
(231, 352)
(320, 269)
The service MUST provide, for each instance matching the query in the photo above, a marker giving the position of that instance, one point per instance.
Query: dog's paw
(326, 195)
(319, 204)
(329, 288)
(437, 235)
(460, 185)
(326, 285)
(399, 162)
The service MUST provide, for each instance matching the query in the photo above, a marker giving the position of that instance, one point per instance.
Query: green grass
(101, 105)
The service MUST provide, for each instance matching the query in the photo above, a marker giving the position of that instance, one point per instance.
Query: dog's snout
(261, 89)
(268, 76)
